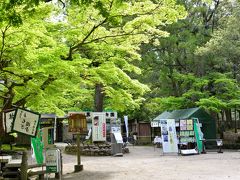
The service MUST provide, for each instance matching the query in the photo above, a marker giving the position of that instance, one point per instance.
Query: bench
(39, 173)
(219, 144)
(12, 169)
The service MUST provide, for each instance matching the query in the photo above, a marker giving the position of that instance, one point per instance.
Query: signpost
(78, 124)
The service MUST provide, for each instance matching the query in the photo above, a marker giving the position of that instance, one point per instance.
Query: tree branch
(23, 100)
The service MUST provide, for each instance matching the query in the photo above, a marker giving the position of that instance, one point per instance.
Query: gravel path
(143, 163)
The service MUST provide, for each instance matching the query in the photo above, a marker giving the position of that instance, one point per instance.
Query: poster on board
(26, 122)
(53, 162)
(98, 126)
(169, 136)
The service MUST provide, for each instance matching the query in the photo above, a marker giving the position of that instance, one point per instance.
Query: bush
(231, 145)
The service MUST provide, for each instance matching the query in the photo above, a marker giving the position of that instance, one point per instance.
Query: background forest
(136, 57)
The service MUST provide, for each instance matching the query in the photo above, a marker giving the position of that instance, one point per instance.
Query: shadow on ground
(89, 175)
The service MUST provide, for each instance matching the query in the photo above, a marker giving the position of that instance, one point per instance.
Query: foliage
(52, 56)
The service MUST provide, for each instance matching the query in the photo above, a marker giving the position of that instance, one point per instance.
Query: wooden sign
(8, 120)
(77, 122)
(26, 122)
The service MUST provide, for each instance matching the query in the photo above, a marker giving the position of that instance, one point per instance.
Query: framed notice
(25, 122)
(98, 126)
(8, 120)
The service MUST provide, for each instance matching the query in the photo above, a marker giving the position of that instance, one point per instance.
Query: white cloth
(157, 139)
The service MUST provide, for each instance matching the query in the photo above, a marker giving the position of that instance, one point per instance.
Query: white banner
(98, 126)
(126, 125)
(169, 136)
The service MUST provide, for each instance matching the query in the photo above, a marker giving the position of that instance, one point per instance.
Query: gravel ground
(144, 162)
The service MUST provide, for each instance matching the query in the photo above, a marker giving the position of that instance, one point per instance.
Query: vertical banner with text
(98, 126)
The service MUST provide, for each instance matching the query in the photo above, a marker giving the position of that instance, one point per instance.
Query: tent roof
(177, 114)
(164, 115)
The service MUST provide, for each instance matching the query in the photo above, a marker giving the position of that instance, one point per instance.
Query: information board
(98, 126)
(169, 135)
(53, 164)
(26, 122)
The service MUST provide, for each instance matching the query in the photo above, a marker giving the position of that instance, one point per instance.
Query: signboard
(118, 137)
(53, 163)
(77, 122)
(154, 124)
(25, 122)
(115, 129)
(98, 126)
(169, 135)
(8, 117)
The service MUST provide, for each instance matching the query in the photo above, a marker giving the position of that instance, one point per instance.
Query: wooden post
(24, 166)
(78, 167)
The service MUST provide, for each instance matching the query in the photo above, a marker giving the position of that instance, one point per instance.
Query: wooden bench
(12, 169)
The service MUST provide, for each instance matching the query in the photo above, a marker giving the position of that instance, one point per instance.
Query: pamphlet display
(191, 134)
(186, 131)
(169, 136)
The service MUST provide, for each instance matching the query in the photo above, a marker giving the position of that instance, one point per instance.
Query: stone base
(78, 168)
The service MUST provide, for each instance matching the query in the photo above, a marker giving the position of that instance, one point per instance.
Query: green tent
(208, 122)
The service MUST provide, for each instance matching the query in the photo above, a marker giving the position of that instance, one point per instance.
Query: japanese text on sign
(26, 122)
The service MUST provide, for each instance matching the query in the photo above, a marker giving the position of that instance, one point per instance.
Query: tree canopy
(136, 57)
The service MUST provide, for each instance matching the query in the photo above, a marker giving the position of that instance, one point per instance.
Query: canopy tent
(208, 122)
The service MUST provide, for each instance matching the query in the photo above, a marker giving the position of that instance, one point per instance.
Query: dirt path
(143, 163)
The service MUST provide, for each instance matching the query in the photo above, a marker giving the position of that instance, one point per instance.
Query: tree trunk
(228, 117)
(1, 125)
(99, 96)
